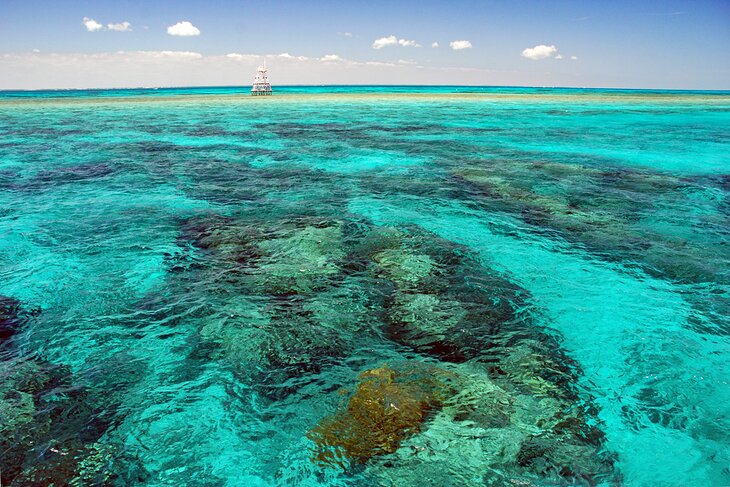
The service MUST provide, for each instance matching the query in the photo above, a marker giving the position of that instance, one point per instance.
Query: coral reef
(293, 258)
(416, 418)
(298, 297)
(48, 427)
(286, 302)
(287, 306)
(610, 213)
(300, 261)
(485, 434)
(453, 308)
(404, 268)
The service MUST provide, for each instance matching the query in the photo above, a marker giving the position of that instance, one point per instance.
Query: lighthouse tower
(261, 85)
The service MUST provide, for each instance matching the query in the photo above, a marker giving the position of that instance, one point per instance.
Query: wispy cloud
(92, 25)
(434, 45)
(379, 64)
(573, 58)
(540, 51)
(459, 45)
(183, 29)
(393, 41)
(286, 55)
(120, 27)
(166, 54)
(327, 59)
(345, 34)
(245, 57)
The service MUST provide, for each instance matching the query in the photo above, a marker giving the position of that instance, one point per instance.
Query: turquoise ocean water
(365, 286)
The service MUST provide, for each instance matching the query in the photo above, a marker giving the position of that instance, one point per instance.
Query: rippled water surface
(405, 286)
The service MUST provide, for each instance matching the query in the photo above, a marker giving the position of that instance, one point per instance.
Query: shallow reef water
(365, 286)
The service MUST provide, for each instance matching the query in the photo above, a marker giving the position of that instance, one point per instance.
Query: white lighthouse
(261, 85)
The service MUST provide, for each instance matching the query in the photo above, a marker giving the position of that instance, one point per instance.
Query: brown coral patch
(388, 406)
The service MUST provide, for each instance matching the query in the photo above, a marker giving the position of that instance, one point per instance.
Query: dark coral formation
(291, 300)
(277, 292)
(12, 319)
(49, 427)
(606, 212)
(8, 318)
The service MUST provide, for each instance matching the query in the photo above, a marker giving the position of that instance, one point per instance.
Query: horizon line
(173, 87)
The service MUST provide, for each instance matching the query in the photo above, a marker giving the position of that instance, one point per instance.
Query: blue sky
(671, 44)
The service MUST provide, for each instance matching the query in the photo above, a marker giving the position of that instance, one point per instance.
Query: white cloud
(406, 43)
(168, 54)
(246, 57)
(559, 56)
(574, 58)
(346, 34)
(458, 45)
(92, 25)
(435, 45)
(120, 27)
(330, 58)
(184, 29)
(286, 55)
(36, 51)
(393, 41)
(379, 64)
(540, 52)
(384, 42)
